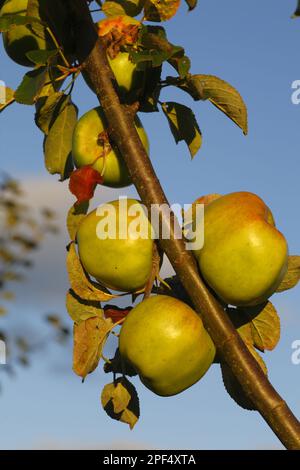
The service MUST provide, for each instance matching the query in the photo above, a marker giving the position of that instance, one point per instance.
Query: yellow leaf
(75, 215)
(292, 275)
(265, 326)
(160, 10)
(80, 310)
(120, 401)
(81, 283)
(6, 97)
(89, 339)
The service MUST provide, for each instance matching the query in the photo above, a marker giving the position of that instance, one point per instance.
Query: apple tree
(216, 309)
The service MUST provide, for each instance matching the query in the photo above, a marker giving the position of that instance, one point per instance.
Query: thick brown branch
(230, 346)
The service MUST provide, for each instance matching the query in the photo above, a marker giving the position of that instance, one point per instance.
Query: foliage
(56, 116)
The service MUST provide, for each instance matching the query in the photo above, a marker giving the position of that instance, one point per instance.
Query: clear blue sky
(255, 47)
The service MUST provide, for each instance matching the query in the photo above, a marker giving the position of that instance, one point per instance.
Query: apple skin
(165, 341)
(20, 39)
(119, 264)
(85, 148)
(244, 257)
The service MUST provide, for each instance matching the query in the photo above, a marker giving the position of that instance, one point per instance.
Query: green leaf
(41, 57)
(10, 21)
(183, 125)
(7, 97)
(48, 109)
(31, 86)
(292, 275)
(75, 215)
(221, 94)
(154, 46)
(58, 143)
(181, 63)
(191, 4)
(33, 10)
(80, 310)
(120, 401)
(122, 7)
(160, 10)
(297, 12)
(81, 283)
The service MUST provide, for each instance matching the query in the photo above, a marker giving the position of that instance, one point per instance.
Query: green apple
(21, 39)
(128, 76)
(111, 249)
(165, 341)
(244, 257)
(86, 149)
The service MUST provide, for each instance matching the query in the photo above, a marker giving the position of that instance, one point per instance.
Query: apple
(128, 77)
(86, 148)
(165, 341)
(244, 257)
(20, 39)
(121, 259)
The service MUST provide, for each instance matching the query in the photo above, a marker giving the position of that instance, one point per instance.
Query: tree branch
(230, 346)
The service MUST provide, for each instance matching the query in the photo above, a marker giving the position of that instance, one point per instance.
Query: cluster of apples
(243, 260)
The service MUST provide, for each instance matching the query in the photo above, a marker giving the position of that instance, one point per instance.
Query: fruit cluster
(243, 260)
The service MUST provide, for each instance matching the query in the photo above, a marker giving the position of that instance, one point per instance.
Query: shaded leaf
(9, 21)
(58, 143)
(292, 275)
(48, 109)
(41, 57)
(221, 94)
(297, 12)
(234, 388)
(183, 125)
(160, 10)
(80, 310)
(120, 401)
(75, 216)
(80, 282)
(31, 86)
(83, 182)
(117, 366)
(7, 97)
(191, 4)
(89, 339)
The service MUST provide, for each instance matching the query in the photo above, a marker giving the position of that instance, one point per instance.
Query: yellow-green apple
(21, 39)
(165, 341)
(87, 148)
(129, 76)
(115, 245)
(244, 257)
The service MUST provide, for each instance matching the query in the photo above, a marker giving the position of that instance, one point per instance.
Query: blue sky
(253, 46)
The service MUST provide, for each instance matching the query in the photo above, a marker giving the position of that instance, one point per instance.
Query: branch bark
(91, 54)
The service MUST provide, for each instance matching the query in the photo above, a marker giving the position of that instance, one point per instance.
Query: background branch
(231, 348)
